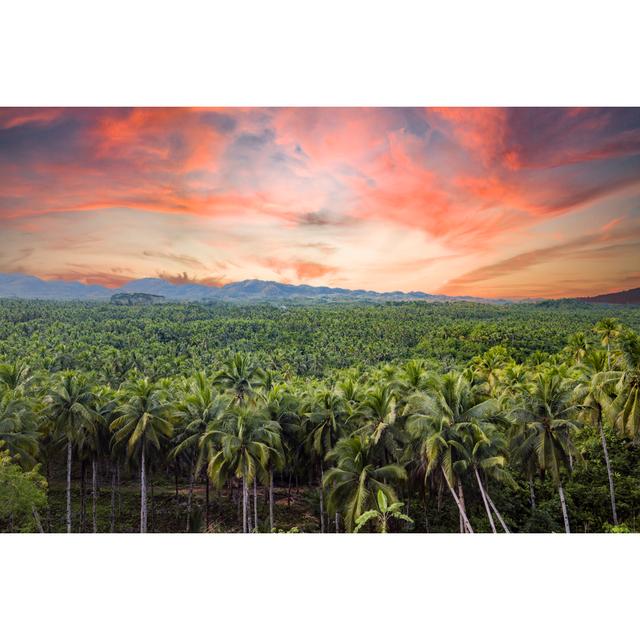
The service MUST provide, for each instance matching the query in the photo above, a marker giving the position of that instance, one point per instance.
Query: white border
(335, 52)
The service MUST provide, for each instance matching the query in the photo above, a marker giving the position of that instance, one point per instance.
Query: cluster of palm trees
(368, 442)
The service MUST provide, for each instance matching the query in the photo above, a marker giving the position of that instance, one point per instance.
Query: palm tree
(280, 408)
(325, 414)
(70, 409)
(626, 408)
(486, 446)
(356, 477)
(608, 329)
(378, 413)
(143, 421)
(200, 407)
(438, 419)
(239, 376)
(544, 426)
(577, 346)
(241, 445)
(18, 428)
(382, 514)
(593, 393)
(16, 376)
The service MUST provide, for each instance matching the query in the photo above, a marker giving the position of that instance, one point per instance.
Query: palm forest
(405, 417)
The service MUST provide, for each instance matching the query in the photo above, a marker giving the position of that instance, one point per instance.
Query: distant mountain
(630, 296)
(16, 285)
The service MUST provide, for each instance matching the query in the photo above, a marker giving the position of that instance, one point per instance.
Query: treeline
(311, 341)
(499, 444)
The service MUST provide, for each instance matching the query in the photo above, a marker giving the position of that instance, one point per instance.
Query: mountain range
(18, 285)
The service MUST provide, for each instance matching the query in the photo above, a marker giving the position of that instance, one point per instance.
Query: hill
(17, 285)
(630, 296)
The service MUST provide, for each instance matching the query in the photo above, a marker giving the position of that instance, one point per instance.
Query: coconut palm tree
(18, 428)
(594, 393)
(200, 407)
(70, 409)
(382, 514)
(577, 346)
(626, 408)
(16, 376)
(438, 419)
(486, 447)
(379, 418)
(239, 375)
(280, 407)
(241, 445)
(608, 329)
(143, 422)
(325, 414)
(545, 422)
(356, 478)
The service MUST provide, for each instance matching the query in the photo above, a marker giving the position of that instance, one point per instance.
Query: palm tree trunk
(143, 494)
(321, 499)
(464, 507)
(112, 517)
(245, 500)
(190, 497)
(83, 510)
(563, 504)
(94, 494)
(69, 462)
(612, 491)
(153, 504)
(36, 517)
(463, 515)
(337, 522)
(532, 494)
(495, 510)
(119, 489)
(255, 504)
(271, 500)
(484, 499)
(206, 500)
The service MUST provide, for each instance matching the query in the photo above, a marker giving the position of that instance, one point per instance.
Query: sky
(495, 202)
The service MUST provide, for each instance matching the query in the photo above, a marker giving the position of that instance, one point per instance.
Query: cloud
(607, 243)
(184, 278)
(303, 269)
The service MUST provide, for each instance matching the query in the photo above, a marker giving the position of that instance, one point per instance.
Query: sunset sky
(488, 202)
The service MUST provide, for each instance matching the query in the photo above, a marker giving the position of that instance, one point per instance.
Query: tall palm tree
(356, 477)
(16, 376)
(608, 329)
(143, 422)
(626, 408)
(545, 421)
(325, 414)
(379, 418)
(200, 407)
(438, 419)
(593, 392)
(241, 445)
(239, 375)
(577, 346)
(18, 428)
(70, 409)
(486, 447)
(280, 408)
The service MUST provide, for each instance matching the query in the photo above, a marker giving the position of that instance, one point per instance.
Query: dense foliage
(396, 417)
